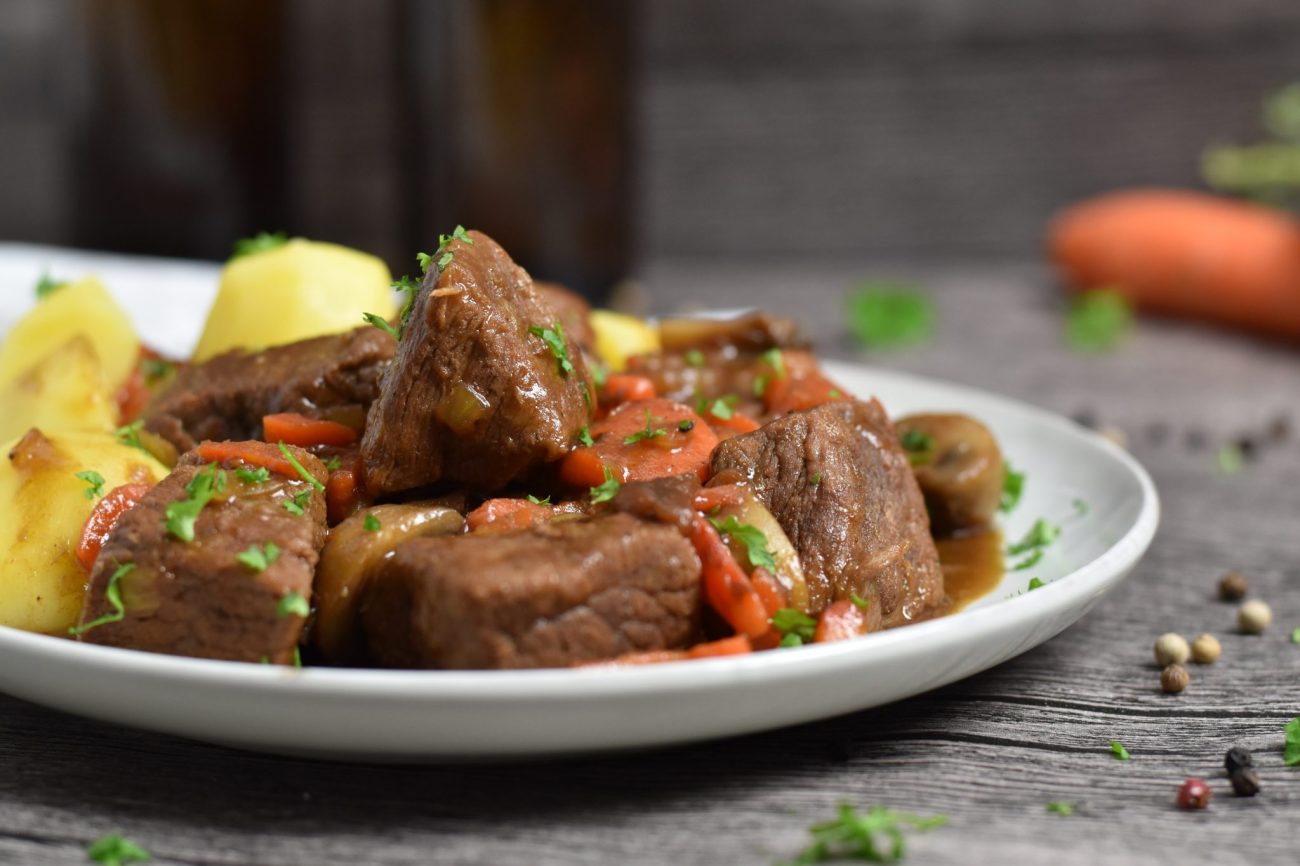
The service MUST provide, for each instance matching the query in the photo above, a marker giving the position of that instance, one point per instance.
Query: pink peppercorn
(1194, 794)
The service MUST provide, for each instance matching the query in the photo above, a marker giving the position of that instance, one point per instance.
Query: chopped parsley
(760, 385)
(1291, 752)
(1230, 459)
(1080, 507)
(584, 436)
(599, 374)
(859, 602)
(445, 259)
(796, 627)
(302, 473)
(1061, 808)
(259, 243)
(685, 425)
(298, 504)
(253, 475)
(424, 260)
(113, 593)
(1039, 536)
(1029, 561)
(182, 514)
(259, 559)
(297, 657)
(292, 604)
(884, 315)
(918, 444)
(815, 479)
(116, 850)
(371, 523)
(752, 537)
(95, 483)
(334, 464)
(720, 409)
(46, 284)
(1118, 751)
(1013, 485)
(876, 836)
(533, 499)
(1035, 583)
(1098, 321)
(156, 369)
(694, 358)
(382, 324)
(554, 339)
(773, 358)
(1295, 635)
(605, 492)
(647, 433)
(129, 434)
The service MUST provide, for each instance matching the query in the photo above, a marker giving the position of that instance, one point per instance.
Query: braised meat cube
(213, 563)
(841, 486)
(484, 388)
(550, 596)
(225, 398)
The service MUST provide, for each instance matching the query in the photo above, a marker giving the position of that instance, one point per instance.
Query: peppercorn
(1174, 678)
(1206, 649)
(1171, 649)
(1245, 782)
(1194, 794)
(1254, 617)
(1237, 758)
(1233, 586)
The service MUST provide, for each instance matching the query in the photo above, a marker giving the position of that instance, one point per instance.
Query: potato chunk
(65, 390)
(43, 507)
(293, 292)
(83, 307)
(619, 337)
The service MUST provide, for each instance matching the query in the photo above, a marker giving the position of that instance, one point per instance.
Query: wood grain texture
(990, 751)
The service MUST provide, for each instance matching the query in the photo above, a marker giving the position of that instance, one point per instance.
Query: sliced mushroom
(348, 559)
(959, 467)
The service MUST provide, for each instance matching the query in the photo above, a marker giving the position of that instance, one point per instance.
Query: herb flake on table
(885, 315)
(1291, 752)
(875, 836)
(116, 850)
(259, 243)
(796, 627)
(1118, 752)
(113, 593)
(1295, 635)
(1098, 321)
(94, 481)
(753, 538)
(1230, 459)
(1013, 486)
(1061, 808)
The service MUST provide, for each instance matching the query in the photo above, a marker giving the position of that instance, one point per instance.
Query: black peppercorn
(1245, 782)
(1236, 759)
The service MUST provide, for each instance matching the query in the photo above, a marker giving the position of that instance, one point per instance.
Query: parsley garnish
(881, 315)
(649, 432)
(116, 850)
(258, 475)
(773, 358)
(1295, 635)
(382, 324)
(815, 479)
(1061, 808)
(445, 260)
(113, 593)
(685, 425)
(752, 537)
(533, 499)
(371, 523)
(584, 436)
(859, 602)
(605, 492)
(334, 464)
(1039, 536)
(1230, 459)
(1013, 485)
(720, 410)
(1029, 561)
(259, 243)
(599, 374)
(259, 559)
(1291, 753)
(694, 358)
(1080, 507)
(554, 339)
(156, 369)
(45, 285)
(292, 604)
(796, 627)
(424, 259)
(1118, 751)
(918, 444)
(302, 473)
(1035, 583)
(298, 504)
(760, 385)
(297, 657)
(182, 514)
(876, 836)
(95, 482)
(1098, 321)
(129, 434)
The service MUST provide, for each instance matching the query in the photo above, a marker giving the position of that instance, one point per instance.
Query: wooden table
(989, 752)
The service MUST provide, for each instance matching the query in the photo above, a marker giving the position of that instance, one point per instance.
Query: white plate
(400, 715)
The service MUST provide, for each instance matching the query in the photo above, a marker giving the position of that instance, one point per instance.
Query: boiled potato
(65, 390)
(82, 307)
(43, 506)
(292, 292)
(619, 337)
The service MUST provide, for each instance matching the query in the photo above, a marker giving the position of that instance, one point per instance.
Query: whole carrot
(1186, 254)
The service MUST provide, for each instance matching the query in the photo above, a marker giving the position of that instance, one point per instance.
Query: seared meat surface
(842, 488)
(476, 395)
(550, 596)
(335, 377)
(198, 598)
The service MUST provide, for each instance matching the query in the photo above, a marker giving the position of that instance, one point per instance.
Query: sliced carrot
(727, 646)
(726, 587)
(294, 429)
(734, 424)
(797, 393)
(503, 515)
(769, 589)
(642, 440)
(132, 396)
(100, 523)
(735, 645)
(709, 498)
(624, 387)
(263, 454)
(841, 620)
(649, 657)
(343, 495)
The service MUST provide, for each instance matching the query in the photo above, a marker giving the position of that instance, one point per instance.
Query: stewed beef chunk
(550, 596)
(572, 311)
(483, 389)
(335, 376)
(842, 488)
(217, 587)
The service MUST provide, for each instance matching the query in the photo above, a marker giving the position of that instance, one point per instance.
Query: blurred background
(594, 140)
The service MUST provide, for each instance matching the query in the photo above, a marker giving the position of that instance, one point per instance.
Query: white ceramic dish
(401, 716)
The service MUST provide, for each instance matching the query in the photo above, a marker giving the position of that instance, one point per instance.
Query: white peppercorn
(1206, 649)
(1172, 649)
(1254, 616)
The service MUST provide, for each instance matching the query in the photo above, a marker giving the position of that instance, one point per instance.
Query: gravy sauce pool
(972, 565)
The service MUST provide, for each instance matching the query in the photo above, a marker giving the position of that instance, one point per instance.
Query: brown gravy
(972, 565)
